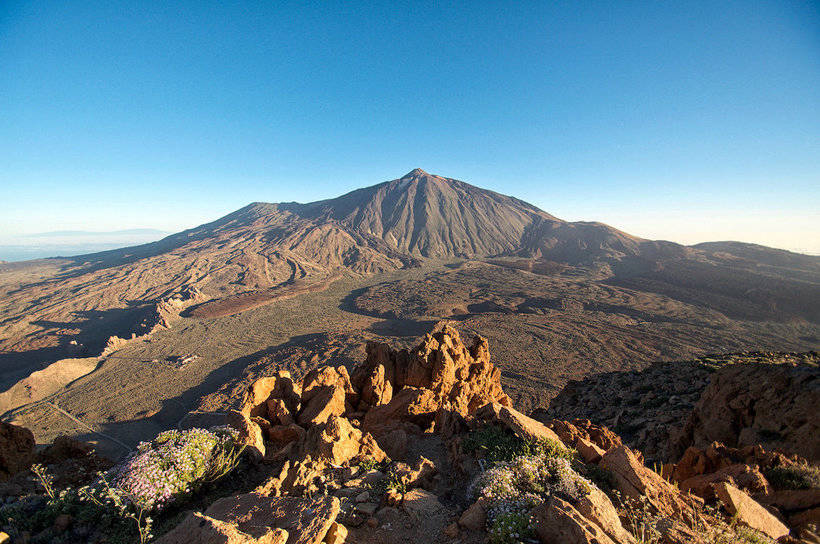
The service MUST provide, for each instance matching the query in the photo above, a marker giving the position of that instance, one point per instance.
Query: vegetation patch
(794, 477)
(494, 445)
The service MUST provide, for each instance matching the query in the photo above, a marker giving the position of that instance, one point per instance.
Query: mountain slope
(262, 248)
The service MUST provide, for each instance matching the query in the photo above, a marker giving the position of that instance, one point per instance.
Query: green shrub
(497, 445)
(794, 477)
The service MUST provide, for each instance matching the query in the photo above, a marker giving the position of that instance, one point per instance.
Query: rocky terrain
(429, 434)
(287, 286)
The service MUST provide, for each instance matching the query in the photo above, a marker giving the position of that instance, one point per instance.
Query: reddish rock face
(16, 449)
(750, 512)
(750, 404)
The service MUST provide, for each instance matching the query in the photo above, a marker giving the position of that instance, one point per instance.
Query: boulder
(522, 426)
(278, 412)
(749, 512)
(250, 433)
(475, 517)
(16, 449)
(589, 451)
(745, 477)
(337, 442)
(306, 520)
(394, 443)
(596, 507)
(321, 403)
(558, 521)
(634, 480)
(420, 475)
(336, 534)
(197, 528)
(279, 386)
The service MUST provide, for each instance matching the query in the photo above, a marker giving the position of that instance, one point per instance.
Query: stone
(558, 521)
(421, 503)
(744, 477)
(278, 412)
(339, 443)
(250, 433)
(420, 475)
(588, 451)
(474, 518)
(16, 449)
(284, 434)
(198, 528)
(4, 538)
(392, 497)
(363, 496)
(805, 518)
(749, 512)
(337, 534)
(522, 426)
(306, 520)
(596, 507)
(412, 404)
(281, 386)
(325, 401)
(634, 480)
(372, 522)
(749, 404)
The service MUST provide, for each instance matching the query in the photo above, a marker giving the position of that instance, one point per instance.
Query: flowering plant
(175, 464)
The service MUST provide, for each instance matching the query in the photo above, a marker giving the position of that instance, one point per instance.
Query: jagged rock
(338, 442)
(284, 434)
(412, 404)
(596, 507)
(524, 427)
(585, 430)
(279, 386)
(198, 528)
(458, 377)
(322, 403)
(805, 518)
(306, 521)
(589, 451)
(558, 521)
(250, 433)
(278, 412)
(744, 477)
(773, 405)
(750, 512)
(419, 475)
(634, 480)
(16, 449)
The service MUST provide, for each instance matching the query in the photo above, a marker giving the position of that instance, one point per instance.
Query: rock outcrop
(772, 405)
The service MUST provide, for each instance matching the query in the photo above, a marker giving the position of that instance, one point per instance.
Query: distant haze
(67, 243)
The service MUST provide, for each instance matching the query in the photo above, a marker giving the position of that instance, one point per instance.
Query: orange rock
(744, 477)
(475, 517)
(596, 507)
(278, 412)
(338, 442)
(321, 403)
(797, 499)
(558, 521)
(749, 512)
(589, 451)
(523, 426)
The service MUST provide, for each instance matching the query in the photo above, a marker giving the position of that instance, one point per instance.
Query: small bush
(497, 445)
(794, 477)
(175, 464)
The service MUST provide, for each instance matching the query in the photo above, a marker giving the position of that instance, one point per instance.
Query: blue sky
(688, 121)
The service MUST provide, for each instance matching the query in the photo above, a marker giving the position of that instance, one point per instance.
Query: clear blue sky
(688, 121)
